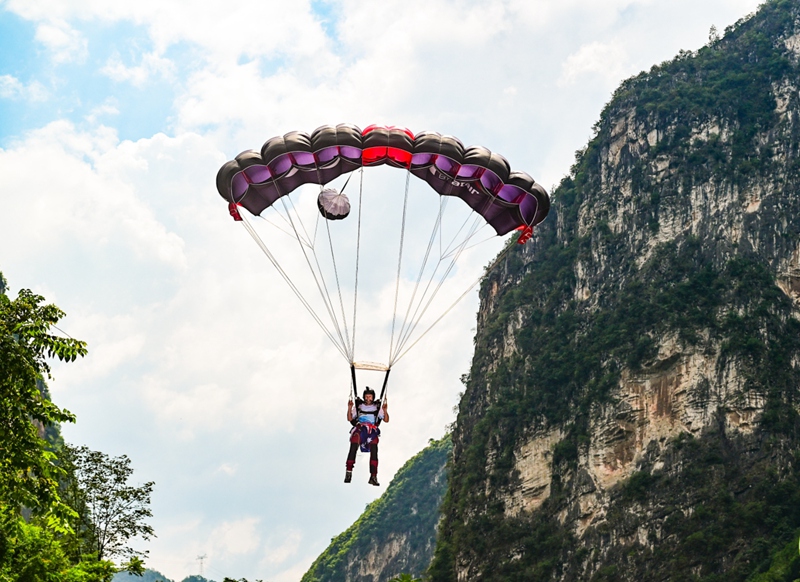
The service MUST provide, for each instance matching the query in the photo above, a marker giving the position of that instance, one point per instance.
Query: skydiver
(364, 415)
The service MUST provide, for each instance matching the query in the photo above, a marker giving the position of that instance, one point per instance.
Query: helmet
(369, 390)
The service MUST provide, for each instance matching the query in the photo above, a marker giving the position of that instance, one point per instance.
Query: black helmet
(369, 390)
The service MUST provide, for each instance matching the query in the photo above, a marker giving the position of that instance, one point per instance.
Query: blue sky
(114, 119)
(78, 88)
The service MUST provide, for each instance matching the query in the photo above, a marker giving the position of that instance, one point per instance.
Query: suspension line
(292, 286)
(399, 264)
(358, 254)
(322, 287)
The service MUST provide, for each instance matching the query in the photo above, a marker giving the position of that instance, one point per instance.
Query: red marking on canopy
(373, 156)
(526, 232)
(406, 131)
(400, 156)
(376, 155)
(374, 126)
(234, 210)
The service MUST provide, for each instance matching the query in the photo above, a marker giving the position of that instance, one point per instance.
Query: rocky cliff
(632, 408)
(397, 532)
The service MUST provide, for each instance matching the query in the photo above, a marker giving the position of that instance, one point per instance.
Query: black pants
(373, 457)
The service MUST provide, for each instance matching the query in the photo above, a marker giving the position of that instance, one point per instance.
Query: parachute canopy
(426, 278)
(506, 200)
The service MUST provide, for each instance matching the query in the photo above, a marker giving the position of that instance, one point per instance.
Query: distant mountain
(155, 576)
(396, 533)
(149, 576)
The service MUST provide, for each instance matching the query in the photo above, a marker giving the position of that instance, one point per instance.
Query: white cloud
(404, 28)
(235, 537)
(78, 198)
(228, 30)
(10, 87)
(187, 409)
(292, 574)
(117, 340)
(151, 64)
(543, 14)
(13, 88)
(605, 60)
(227, 468)
(284, 548)
(65, 43)
(106, 109)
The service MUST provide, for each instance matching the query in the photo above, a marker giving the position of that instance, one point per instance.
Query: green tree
(35, 522)
(28, 473)
(32, 552)
(110, 511)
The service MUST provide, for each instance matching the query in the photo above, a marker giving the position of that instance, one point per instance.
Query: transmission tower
(200, 559)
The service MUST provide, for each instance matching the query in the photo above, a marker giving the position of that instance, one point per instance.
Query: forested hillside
(397, 532)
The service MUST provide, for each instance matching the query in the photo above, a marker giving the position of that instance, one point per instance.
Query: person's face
(368, 398)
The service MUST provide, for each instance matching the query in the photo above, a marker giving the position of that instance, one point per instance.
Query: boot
(348, 476)
(373, 480)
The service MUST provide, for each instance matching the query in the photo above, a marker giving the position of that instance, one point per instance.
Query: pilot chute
(332, 204)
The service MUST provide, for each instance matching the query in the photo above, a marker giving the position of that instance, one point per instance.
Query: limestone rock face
(535, 468)
(636, 381)
(370, 565)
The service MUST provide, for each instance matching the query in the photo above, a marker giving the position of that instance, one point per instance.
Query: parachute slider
(333, 205)
(370, 366)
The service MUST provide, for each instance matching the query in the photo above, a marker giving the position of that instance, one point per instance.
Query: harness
(359, 411)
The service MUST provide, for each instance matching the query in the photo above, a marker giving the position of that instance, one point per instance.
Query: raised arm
(385, 411)
(350, 410)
